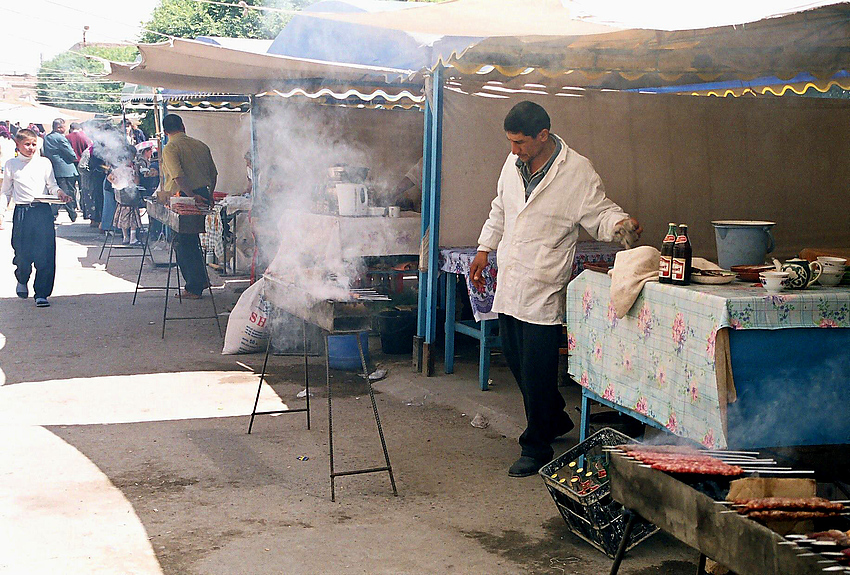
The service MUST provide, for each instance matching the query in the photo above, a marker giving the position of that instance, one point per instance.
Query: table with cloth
(455, 262)
(726, 365)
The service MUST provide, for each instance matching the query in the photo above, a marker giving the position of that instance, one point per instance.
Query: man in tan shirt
(188, 170)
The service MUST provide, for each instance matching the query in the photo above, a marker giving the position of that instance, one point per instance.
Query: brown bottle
(682, 258)
(665, 266)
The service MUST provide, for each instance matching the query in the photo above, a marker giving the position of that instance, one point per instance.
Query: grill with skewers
(347, 310)
(686, 492)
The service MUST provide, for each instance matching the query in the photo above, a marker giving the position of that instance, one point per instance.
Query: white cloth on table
(536, 239)
(633, 268)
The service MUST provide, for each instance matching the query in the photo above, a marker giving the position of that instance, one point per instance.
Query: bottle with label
(665, 267)
(682, 258)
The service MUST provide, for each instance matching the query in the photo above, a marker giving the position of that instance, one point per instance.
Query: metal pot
(350, 174)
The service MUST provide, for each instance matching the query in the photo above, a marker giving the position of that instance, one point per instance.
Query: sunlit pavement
(58, 512)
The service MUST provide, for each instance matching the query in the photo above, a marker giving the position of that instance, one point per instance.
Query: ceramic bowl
(750, 273)
(830, 278)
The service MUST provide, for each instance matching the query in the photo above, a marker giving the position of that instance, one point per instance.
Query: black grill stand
(333, 473)
(627, 532)
(167, 287)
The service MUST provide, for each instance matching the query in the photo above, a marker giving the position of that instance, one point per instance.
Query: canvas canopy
(206, 67)
(543, 41)
(335, 41)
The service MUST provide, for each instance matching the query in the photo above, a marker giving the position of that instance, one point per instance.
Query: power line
(242, 5)
(61, 24)
(106, 19)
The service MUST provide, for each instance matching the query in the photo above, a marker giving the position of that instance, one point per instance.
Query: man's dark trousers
(68, 186)
(190, 258)
(531, 351)
(34, 242)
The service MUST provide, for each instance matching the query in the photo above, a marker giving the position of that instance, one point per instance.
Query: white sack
(248, 326)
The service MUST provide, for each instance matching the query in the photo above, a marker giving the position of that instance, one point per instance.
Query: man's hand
(63, 196)
(627, 232)
(476, 269)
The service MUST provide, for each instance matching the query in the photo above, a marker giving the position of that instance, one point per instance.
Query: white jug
(353, 199)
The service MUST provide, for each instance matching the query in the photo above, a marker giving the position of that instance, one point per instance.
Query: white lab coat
(536, 240)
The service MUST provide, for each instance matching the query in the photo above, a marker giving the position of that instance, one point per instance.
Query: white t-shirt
(24, 179)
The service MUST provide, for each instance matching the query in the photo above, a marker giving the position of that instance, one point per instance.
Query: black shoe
(73, 215)
(42, 302)
(525, 466)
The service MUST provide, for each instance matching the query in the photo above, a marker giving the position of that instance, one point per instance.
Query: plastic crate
(594, 516)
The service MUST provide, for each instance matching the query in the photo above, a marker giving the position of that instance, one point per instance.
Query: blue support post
(435, 169)
(451, 293)
(425, 208)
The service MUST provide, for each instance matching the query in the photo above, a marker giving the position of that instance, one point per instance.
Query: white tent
(25, 113)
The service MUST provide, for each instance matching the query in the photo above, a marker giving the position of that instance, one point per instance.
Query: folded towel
(632, 269)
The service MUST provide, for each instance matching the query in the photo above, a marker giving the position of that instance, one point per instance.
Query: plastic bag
(248, 328)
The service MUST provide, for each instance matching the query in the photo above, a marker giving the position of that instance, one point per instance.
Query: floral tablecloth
(659, 360)
(458, 260)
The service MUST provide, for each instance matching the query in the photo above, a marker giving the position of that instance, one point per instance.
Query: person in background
(545, 192)
(91, 209)
(249, 166)
(58, 150)
(120, 157)
(127, 216)
(33, 236)
(133, 133)
(188, 169)
(408, 192)
(78, 139)
(7, 146)
(79, 142)
(146, 171)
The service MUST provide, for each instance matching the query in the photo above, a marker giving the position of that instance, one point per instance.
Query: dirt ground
(144, 420)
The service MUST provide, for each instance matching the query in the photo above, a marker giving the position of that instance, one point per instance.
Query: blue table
(719, 365)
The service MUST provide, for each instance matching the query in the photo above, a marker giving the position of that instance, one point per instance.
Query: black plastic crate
(588, 508)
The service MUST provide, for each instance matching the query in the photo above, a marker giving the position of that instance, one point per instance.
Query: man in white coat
(545, 192)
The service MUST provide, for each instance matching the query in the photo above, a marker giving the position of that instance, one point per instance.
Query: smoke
(298, 141)
(785, 408)
(109, 145)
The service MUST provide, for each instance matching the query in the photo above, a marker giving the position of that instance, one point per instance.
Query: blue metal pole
(432, 291)
(426, 211)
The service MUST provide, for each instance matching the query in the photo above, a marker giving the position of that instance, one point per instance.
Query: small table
(178, 224)
(720, 365)
(455, 263)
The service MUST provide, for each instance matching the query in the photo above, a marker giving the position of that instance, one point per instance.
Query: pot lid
(742, 223)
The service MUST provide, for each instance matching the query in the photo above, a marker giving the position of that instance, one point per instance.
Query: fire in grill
(687, 497)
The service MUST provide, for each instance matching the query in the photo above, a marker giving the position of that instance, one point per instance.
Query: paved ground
(126, 453)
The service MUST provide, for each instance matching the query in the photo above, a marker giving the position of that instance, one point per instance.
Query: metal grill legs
(254, 411)
(624, 543)
(334, 474)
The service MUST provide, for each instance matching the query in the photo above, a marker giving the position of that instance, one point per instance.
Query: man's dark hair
(75, 126)
(58, 122)
(172, 123)
(527, 118)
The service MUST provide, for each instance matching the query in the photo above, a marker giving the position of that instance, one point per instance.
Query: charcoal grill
(334, 317)
(692, 508)
(179, 224)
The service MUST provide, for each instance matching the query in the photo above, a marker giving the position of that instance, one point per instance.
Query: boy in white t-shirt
(27, 179)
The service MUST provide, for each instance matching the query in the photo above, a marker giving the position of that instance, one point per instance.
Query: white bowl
(830, 278)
